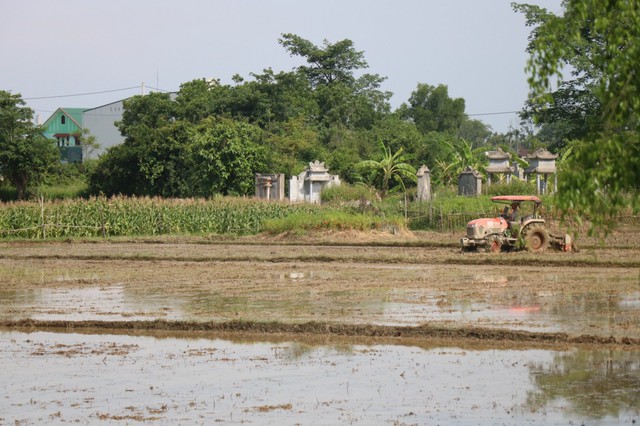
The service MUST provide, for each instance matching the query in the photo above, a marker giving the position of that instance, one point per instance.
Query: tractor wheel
(536, 238)
(494, 245)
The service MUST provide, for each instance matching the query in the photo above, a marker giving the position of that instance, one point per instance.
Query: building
(67, 125)
(101, 123)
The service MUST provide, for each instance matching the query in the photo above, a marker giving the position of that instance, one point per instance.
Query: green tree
(392, 167)
(604, 171)
(328, 64)
(572, 109)
(292, 145)
(225, 156)
(397, 133)
(459, 155)
(88, 142)
(25, 154)
(431, 109)
(475, 131)
(342, 98)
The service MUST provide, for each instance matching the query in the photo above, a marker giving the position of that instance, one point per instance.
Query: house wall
(54, 126)
(101, 123)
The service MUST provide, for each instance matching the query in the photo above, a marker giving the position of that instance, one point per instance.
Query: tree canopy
(598, 43)
(25, 154)
(212, 137)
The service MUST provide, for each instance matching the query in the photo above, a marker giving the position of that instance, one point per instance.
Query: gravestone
(269, 186)
(469, 183)
(308, 184)
(424, 184)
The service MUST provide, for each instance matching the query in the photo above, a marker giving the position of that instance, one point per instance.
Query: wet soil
(343, 284)
(192, 378)
(327, 329)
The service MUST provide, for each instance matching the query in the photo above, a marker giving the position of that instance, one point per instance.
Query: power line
(169, 91)
(81, 94)
(494, 113)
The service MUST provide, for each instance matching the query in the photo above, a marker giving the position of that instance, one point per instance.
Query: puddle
(88, 378)
(600, 302)
(108, 303)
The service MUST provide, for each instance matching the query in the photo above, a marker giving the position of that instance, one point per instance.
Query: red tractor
(514, 229)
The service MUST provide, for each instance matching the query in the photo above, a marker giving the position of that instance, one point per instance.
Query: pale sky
(67, 47)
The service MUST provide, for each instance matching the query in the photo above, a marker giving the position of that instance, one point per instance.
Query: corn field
(123, 216)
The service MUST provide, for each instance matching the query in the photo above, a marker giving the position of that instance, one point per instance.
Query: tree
(328, 64)
(474, 131)
(459, 155)
(343, 99)
(25, 154)
(571, 110)
(88, 143)
(431, 109)
(225, 156)
(293, 145)
(392, 167)
(603, 174)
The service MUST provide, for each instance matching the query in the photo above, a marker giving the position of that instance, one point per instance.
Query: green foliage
(448, 212)
(457, 156)
(25, 154)
(225, 156)
(333, 220)
(474, 131)
(599, 39)
(67, 190)
(292, 145)
(345, 193)
(123, 216)
(514, 187)
(214, 137)
(342, 99)
(572, 109)
(391, 168)
(431, 109)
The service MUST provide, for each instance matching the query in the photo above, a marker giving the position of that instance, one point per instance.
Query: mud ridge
(323, 328)
(449, 260)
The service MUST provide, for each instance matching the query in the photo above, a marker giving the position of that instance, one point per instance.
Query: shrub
(334, 220)
(346, 193)
(514, 187)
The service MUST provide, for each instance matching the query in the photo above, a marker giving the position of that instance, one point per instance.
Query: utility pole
(143, 88)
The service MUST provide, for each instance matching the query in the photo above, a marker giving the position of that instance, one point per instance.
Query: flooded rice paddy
(78, 374)
(595, 301)
(89, 378)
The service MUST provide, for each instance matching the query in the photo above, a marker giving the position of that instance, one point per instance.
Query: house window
(62, 119)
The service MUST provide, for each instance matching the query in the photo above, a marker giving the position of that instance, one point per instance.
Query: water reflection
(83, 378)
(107, 303)
(596, 384)
(383, 296)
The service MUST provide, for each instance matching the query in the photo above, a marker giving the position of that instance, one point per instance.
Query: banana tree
(393, 167)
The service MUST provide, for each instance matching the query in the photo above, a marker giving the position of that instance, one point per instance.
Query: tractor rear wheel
(536, 238)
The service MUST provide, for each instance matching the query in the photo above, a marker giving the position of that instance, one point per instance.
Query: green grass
(335, 220)
(71, 190)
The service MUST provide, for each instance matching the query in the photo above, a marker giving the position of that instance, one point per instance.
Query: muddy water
(203, 378)
(593, 301)
(92, 378)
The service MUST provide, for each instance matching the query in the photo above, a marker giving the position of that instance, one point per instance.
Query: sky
(54, 49)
